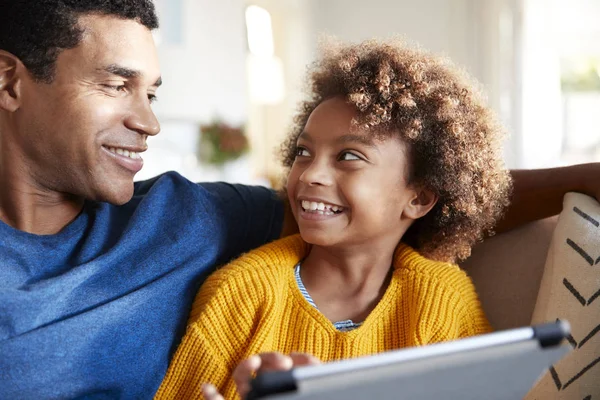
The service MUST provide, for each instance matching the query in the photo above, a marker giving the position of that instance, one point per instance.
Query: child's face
(346, 188)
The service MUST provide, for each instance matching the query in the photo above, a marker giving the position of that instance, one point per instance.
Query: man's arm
(538, 193)
(242, 217)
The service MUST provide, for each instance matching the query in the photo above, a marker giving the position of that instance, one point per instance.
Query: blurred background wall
(236, 67)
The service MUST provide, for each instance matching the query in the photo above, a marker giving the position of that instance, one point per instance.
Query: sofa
(543, 271)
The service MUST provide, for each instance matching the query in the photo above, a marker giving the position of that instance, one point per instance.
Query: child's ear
(9, 82)
(421, 203)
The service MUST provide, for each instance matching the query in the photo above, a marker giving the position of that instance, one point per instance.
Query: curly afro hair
(36, 31)
(454, 140)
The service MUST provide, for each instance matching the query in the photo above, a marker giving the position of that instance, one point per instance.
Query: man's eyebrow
(127, 73)
(121, 71)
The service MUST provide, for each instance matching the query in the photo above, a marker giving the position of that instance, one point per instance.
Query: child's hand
(266, 362)
(210, 392)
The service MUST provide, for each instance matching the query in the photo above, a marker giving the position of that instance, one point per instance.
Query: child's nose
(317, 173)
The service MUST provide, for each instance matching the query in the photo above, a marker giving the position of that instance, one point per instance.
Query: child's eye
(302, 152)
(347, 156)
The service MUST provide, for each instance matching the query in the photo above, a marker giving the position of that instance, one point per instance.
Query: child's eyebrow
(347, 138)
(352, 138)
(304, 135)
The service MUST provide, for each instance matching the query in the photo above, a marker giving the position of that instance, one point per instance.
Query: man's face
(83, 133)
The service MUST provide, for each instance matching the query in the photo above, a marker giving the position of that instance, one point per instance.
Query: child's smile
(318, 210)
(318, 207)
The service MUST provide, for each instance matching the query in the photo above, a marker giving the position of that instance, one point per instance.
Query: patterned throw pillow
(570, 290)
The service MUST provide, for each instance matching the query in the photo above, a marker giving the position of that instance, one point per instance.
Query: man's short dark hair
(36, 31)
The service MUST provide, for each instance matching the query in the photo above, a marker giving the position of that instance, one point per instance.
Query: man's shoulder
(174, 184)
(238, 217)
(163, 182)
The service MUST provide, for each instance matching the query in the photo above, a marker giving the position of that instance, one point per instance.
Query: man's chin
(116, 194)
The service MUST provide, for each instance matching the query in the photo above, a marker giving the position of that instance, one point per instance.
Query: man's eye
(302, 152)
(347, 156)
(116, 88)
(152, 98)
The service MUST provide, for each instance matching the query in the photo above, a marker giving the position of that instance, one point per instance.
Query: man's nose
(142, 119)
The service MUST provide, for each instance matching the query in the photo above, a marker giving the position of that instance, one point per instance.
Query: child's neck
(346, 284)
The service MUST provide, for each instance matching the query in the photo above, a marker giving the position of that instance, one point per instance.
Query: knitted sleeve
(215, 340)
(194, 364)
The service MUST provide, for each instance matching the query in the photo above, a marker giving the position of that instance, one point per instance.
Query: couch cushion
(570, 289)
(507, 270)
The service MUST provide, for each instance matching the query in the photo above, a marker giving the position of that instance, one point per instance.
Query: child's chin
(317, 238)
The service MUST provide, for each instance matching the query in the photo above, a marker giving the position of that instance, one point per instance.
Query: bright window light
(260, 31)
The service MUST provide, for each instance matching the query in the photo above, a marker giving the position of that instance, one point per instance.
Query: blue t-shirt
(97, 310)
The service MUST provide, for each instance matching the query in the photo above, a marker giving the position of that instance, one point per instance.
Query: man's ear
(10, 83)
(421, 203)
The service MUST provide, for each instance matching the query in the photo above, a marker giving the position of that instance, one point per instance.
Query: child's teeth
(320, 208)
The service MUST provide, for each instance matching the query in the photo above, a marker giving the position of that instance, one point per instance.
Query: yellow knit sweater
(254, 305)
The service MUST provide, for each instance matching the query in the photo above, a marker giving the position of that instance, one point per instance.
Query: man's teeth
(320, 208)
(125, 153)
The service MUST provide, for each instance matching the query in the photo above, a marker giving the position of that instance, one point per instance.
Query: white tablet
(501, 365)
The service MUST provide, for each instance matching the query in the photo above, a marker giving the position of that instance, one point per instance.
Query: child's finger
(210, 392)
(275, 362)
(264, 362)
(300, 359)
(243, 372)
